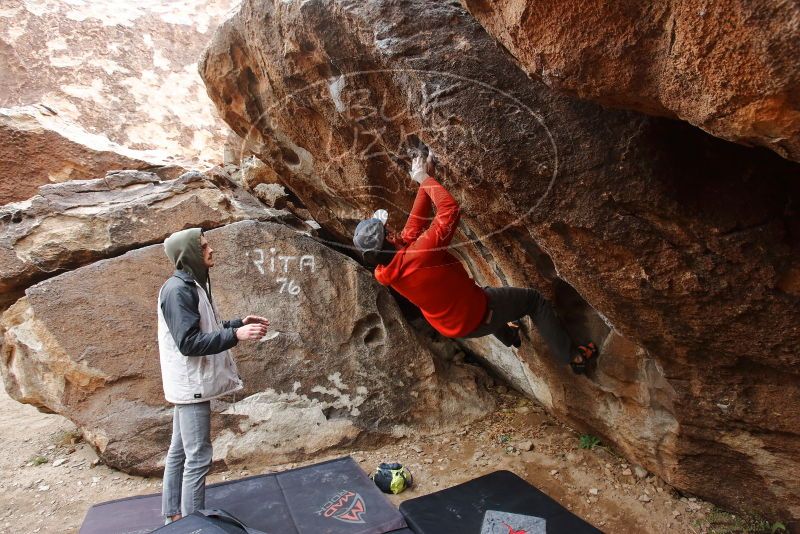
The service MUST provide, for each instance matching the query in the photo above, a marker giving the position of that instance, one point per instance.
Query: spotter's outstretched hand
(255, 327)
(251, 332)
(253, 319)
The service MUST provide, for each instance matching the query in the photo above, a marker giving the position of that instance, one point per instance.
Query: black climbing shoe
(509, 335)
(581, 361)
(516, 340)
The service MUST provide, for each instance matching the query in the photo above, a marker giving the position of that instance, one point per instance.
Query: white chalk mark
(308, 261)
(335, 88)
(285, 260)
(288, 286)
(259, 262)
(270, 335)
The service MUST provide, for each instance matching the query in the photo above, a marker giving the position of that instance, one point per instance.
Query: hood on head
(183, 248)
(369, 235)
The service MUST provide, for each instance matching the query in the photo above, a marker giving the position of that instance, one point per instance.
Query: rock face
(675, 251)
(83, 344)
(127, 73)
(37, 147)
(74, 223)
(728, 67)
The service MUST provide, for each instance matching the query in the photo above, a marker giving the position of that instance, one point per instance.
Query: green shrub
(589, 442)
(722, 522)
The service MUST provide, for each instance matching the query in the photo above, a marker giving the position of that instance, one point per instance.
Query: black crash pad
(497, 503)
(330, 497)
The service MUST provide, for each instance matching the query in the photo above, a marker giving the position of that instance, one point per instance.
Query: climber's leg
(507, 304)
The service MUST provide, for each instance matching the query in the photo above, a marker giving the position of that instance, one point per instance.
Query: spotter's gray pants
(511, 303)
(188, 460)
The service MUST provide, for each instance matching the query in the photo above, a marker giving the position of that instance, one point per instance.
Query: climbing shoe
(509, 335)
(586, 355)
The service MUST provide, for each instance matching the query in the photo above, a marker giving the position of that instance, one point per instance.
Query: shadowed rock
(728, 67)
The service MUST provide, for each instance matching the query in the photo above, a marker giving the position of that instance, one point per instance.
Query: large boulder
(677, 252)
(37, 147)
(341, 366)
(728, 67)
(74, 223)
(124, 72)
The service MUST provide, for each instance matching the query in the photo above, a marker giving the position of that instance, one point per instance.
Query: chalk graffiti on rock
(283, 265)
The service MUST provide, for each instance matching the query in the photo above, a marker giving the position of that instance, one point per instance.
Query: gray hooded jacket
(196, 364)
(180, 300)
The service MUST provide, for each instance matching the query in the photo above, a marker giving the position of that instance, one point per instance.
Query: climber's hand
(430, 165)
(418, 173)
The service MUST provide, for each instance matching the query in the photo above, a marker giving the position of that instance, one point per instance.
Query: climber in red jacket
(417, 264)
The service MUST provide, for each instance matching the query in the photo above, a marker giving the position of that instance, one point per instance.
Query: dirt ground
(48, 482)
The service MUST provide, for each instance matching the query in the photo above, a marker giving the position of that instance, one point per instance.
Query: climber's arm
(419, 219)
(443, 228)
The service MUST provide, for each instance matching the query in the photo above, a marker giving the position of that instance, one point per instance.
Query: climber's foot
(509, 335)
(586, 355)
(516, 339)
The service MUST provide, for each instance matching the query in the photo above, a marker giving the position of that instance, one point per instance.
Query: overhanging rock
(727, 67)
(675, 251)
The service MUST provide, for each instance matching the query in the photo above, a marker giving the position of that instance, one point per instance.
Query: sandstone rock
(83, 344)
(37, 147)
(728, 67)
(260, 180)
(273, 195)
(669, 248)
(525, 446)
(74, 223)
(641, 472)
(232, 150)
(127, 73)
(255, 173)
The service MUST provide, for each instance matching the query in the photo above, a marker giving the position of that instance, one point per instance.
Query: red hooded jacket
(424, 272)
